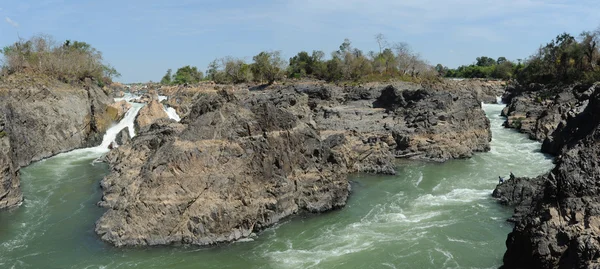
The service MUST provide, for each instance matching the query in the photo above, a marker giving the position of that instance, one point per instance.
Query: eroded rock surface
(557, 220)
(149, 114)
(240, 160)
(234, 167)
(41, 119)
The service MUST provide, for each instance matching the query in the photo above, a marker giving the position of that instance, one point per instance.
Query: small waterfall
(172, 113)
(126, 122)
(169, 110)
(499, 100)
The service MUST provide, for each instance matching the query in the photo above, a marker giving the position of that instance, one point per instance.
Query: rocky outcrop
(44, 118)
(234, 167)
(117, 110)
(149, 114)
(557, 221)
(242, 160)
(123, 137)
(538, 111)
(410, 120)
(486, 91)
(10, 191)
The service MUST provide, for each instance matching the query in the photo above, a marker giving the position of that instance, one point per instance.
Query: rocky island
(242, 160)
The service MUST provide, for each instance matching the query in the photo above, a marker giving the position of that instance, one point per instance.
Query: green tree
(485, 61)
(166, 79)
(236, 70)
(303, 65)
(187, 75)
(268, 66)
(213, 69)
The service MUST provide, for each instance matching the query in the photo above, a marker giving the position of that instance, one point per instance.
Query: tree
(68, 61)
(303, 65)
(187, 75)
(485, 61)
(213, 69)
(236, 70)
(166, 79)
(441, 70)
(268, 66)
(381, 41)
(501, 60)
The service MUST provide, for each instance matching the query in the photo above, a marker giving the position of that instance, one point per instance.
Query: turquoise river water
(428, 216)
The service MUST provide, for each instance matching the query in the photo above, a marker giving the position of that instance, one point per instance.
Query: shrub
(70, 61)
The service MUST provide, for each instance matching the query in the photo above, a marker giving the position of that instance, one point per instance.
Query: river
(428, 216)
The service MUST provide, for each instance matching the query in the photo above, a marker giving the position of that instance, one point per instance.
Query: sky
(144, 38)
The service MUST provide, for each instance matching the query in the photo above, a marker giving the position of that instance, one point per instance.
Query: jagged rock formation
(10, 191)
(44, 118)
(117, 110)
(149, 114)
(242, 160)
(557, 219)
(538, 111)
(235, 166)
(123, 137)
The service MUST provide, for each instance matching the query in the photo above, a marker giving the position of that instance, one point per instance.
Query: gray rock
(123, 137)
(557, 216)
(43, 119)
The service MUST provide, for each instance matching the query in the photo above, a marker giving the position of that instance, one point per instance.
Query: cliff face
(557, 220)
(10, 191)
(242, 160)
(43, 119)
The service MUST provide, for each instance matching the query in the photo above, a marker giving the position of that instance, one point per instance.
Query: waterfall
(126, 122)
(499, 100)
(111, 134)
(169, 110)
(172, 113)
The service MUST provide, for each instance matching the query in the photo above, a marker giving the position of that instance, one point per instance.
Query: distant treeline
(484, 67)
(391, 61)
(69, 61)
(565, 59)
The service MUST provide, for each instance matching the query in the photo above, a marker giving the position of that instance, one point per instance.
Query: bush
(70, 61)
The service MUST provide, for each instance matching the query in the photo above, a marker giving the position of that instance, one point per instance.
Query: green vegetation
(565, 59)
(184, 75)
(484, 67)
(2, 134)
(395, 61)
(69, 62)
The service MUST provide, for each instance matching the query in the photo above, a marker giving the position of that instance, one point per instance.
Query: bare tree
(381, 41)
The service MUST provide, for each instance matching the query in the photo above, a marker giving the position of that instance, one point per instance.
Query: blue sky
(144, 38)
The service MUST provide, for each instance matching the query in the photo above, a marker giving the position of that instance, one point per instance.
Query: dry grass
(68, 62)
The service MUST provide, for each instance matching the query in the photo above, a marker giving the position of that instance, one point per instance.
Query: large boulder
(149, 114)
(116, 111)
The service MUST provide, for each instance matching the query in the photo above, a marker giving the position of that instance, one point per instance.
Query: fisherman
(500, 179)
(512, 176)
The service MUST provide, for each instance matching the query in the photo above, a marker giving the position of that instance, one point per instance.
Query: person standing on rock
(512, 176)
(500, 180)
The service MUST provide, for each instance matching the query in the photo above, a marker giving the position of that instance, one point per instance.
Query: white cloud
(11, 22)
